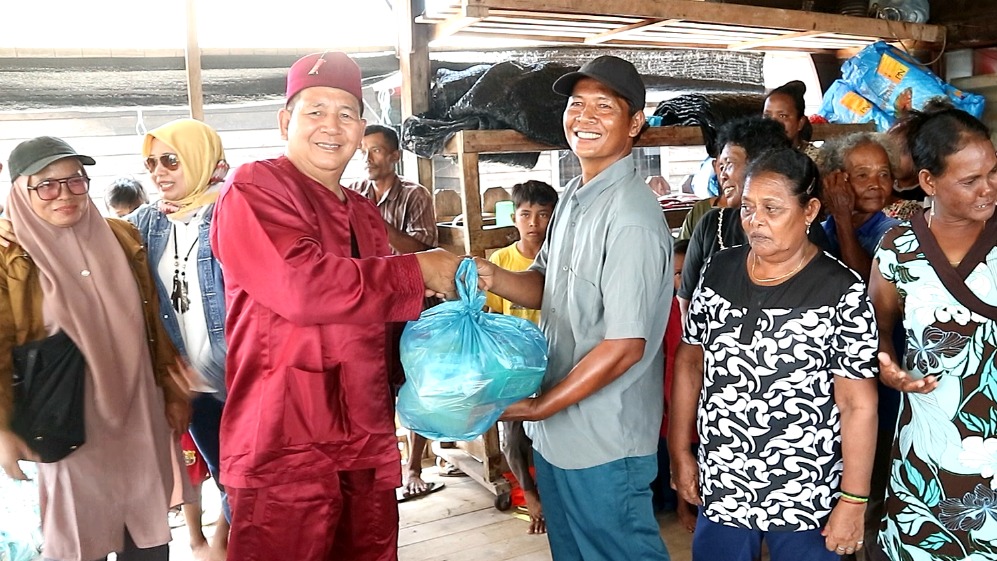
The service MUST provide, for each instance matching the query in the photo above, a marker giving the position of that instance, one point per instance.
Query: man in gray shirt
(602, 281)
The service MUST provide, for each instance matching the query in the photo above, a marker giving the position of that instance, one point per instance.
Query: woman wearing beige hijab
(76, 272)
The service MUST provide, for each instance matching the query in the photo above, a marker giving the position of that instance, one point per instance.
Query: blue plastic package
(464, 366)
(20, 516)
(842, 104)
(896, 83)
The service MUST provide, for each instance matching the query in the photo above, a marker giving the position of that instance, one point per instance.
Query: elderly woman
(186, 162)
(857, 179)
(741, 141)
(937, 275)
(76, 273)
(779, 349)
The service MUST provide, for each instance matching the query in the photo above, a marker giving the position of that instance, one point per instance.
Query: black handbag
(49, 378)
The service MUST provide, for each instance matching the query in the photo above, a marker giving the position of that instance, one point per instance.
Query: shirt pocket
(584, 303)
(369, 399)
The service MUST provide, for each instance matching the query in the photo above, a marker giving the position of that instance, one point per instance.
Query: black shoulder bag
(48, 396)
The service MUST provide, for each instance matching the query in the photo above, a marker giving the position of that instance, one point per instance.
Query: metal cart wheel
(503, 501)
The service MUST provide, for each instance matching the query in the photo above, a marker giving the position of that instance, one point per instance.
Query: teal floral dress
(942, 493)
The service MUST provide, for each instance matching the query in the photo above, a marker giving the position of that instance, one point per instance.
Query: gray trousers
(518, 451)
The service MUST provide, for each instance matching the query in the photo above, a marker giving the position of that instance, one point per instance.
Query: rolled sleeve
(632, 282)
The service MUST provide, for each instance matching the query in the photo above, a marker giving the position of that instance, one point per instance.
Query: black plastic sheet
(708, 111)
(507, 95)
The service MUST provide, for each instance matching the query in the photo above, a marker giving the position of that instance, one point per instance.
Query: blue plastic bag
(20, 516)
(896, 83)
(842, 104)
(464, 366)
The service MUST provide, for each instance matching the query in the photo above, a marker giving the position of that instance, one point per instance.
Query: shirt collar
(617, 171)
(390, 195)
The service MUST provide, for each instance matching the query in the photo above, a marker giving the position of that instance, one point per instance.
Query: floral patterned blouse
(941, 500)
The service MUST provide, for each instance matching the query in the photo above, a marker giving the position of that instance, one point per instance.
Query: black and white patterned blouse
(770, 445)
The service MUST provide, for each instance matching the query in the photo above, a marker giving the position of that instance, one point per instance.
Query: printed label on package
(856, 103)
(892, 69)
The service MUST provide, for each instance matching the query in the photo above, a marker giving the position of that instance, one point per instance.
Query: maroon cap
(331, 69)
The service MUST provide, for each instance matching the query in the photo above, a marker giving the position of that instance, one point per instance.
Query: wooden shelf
(666, 24)
(507, 141)
(472, 237)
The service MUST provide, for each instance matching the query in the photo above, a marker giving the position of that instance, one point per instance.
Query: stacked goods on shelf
(883, 78)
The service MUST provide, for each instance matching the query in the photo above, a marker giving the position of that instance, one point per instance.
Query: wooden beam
(472, 142)
(754, 16)
(755, 43)
(192, 60)
(470, 197)
(639, 26)
(453, 238)
(452, 25)
(413, 62)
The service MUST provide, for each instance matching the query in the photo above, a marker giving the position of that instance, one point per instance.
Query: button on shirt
(608, 275)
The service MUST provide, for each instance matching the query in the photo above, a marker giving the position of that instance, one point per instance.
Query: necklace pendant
(179, 295)
(184, 300)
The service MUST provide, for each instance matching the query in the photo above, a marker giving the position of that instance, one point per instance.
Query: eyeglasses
(50, 189)
(168, 161)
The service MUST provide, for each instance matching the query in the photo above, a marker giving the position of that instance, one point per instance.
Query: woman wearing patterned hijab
(187, 163)
(76, 272)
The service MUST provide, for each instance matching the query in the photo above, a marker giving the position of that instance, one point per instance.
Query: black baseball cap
(613, 72)
(32, 156)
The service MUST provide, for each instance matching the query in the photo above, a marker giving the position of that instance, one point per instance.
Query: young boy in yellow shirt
(534, 204)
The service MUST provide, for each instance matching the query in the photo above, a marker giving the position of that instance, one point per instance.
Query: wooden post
(470, 195)
(192, 59)
(413, 62)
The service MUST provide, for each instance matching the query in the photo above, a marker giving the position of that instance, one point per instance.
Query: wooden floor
(460, 523)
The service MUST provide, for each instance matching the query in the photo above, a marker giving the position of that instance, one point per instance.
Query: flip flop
(431, 487)
(450, 470)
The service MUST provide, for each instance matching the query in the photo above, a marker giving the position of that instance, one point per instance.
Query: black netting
(708, 111)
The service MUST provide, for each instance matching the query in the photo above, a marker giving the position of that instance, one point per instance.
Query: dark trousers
(518, 451)
(601, 513)
(715, 542)
(205, 424)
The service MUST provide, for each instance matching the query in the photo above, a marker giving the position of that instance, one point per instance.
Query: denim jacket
(155, 229)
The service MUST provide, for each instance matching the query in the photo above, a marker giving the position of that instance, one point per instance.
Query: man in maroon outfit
(308, 449)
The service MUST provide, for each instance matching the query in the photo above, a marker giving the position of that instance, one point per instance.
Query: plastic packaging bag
(20, 517)
(464, 366)
(897, 83)
(842, 104)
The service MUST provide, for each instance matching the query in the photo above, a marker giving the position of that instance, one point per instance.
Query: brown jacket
(21, 318)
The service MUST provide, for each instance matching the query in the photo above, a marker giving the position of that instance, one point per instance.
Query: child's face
(531, 220)
(679, 260)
